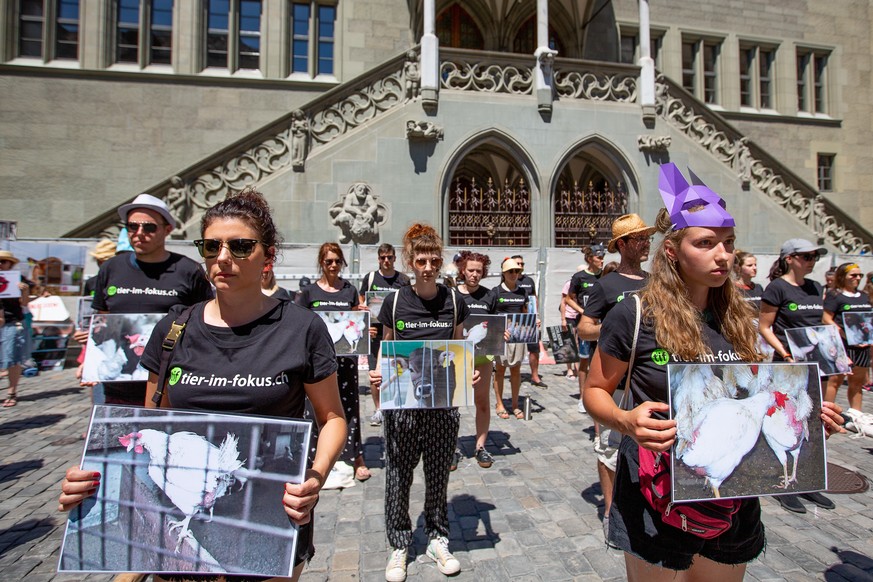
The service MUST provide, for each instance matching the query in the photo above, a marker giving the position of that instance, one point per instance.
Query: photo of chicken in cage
(487, 333)
(820, 344)
(563, 344)
(858, 326)
(523, 328)
(349, 330)
(746, 430)
(426, 374)
(116, 342)
(186, 492)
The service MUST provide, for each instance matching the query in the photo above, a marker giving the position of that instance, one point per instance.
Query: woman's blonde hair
(677, 322)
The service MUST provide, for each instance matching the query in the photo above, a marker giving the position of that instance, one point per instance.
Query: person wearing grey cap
(151, 279)
(792, 300)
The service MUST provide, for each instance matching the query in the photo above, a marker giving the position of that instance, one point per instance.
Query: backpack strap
(168, 345)
(625, 398)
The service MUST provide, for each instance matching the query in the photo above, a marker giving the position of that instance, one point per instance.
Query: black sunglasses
(807, 256)
(240, 248)
(147, 227)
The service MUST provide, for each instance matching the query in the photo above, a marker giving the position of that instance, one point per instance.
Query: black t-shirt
(415, 318)
(317, 299)
(481, 301)
(753, 295)
(375, 281)
(257, 368)
(795, 306)
(284, 294)
(126, 285)
(527, 284)
(90, 286)
(839, 303)
(581, 284)
(649, 373)
(608, 291)
(514, 301)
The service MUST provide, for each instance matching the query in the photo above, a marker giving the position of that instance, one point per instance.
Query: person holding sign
(333, 293)
(846, 298)
(425, 310)
(13, 338)
(689, 310)
(241, 338)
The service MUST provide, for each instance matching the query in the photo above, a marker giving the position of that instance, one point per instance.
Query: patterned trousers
(347, 379)
(409, 436)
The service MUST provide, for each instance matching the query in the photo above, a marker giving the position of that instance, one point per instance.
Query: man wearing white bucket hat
(151, 279)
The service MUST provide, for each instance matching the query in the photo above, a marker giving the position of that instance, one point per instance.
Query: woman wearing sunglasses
(242, 332)
(425, 310)
(333, 293)
(510, 299)
(792, 300)
(846, 298)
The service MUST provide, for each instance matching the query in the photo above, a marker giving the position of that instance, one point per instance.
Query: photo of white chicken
(347, 329)
(476, 333)
(786, 423)
(190, 470)
(730, 422)
(487, 333)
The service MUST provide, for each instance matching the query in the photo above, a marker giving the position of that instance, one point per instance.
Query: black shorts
(638, 529)
(533, 348)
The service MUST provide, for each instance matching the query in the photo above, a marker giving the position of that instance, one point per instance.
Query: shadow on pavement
(39, 421)
(593, 494)
(25, 531)
(470, 512)
(25, 397)
(502, 446)
(15, 470)
(853, 566)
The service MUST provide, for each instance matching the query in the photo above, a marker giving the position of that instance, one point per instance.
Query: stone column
(647, 65)
(544, 59)
(430, 57)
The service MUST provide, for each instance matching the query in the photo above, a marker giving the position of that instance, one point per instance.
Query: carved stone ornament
(472, 75)
(654, 143)
(412, 76)
(423, 131)
(359, 214)
(762, 172)
(299, 139)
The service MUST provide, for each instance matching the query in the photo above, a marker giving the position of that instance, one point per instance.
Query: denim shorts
(13, 340)
(637, 529)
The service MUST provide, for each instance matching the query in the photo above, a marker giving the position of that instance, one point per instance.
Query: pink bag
(705, 519)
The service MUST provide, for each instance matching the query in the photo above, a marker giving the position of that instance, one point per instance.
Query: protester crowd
(700, 298)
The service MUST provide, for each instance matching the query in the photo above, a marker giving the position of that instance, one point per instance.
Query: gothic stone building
(506, 123)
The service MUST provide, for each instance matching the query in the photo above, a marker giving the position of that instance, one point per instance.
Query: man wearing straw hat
(151, 279)
(13, 338)
(631, 237)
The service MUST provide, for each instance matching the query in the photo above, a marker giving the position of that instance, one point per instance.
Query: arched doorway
(489, 200)
(589, 193)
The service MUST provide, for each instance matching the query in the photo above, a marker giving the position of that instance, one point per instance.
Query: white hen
(786, 424)
(476, 333)
(693, 386)
(192, 472)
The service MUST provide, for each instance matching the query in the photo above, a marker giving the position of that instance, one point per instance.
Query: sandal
(519, 413)
(502, 414)
(362, 473)
(10, 402)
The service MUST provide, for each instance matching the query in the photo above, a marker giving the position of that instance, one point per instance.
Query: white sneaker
(438, 551)
(581, 407)
(395, 571)
(376, 419)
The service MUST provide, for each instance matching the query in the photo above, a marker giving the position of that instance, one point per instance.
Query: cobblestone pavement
(534, 515)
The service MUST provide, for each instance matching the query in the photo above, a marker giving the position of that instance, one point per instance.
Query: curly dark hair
(251, 207)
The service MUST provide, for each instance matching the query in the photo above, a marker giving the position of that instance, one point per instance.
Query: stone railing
(283, 144)
(755, 167)
(491, 72)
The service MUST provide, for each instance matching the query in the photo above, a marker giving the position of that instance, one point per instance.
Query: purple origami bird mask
(680, 198)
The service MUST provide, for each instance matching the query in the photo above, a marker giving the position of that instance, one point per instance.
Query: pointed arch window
(455, 28)
(484, 213)
(525, 41)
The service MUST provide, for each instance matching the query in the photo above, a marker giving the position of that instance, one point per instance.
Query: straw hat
(105, 249)
(8, 256)
(627, 225)
(509, 265)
